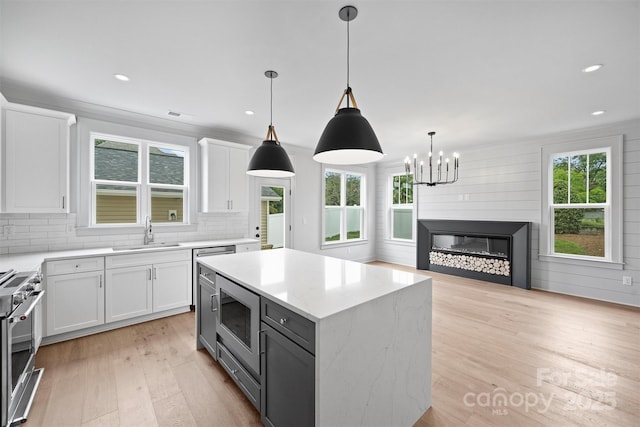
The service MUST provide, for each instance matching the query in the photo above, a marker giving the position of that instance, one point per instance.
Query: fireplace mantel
(509, 265)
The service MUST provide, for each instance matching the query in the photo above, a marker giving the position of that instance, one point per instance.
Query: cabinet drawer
(295, 327)
(248, 247)
(240, 376)
(206, 275)
(77, 265)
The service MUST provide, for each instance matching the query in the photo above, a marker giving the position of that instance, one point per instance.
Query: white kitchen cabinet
(128, 293)
(224, 180)
(148, 282)
(171, 285)
(74, 301)
(36, 163)
(74, 297)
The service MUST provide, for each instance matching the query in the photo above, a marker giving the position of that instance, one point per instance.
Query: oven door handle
(21, 313)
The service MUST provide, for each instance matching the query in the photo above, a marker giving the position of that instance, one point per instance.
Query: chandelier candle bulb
(421, 165)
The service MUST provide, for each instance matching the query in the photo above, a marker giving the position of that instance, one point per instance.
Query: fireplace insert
(494, 251)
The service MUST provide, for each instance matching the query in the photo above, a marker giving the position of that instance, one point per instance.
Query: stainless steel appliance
(20, 335)
(238, 323)
(202, 252)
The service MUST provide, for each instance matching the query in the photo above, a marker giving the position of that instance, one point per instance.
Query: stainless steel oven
(20, 335)
(238, 322)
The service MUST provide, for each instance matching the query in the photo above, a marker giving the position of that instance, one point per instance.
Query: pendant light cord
(271, 104)
(348, 88)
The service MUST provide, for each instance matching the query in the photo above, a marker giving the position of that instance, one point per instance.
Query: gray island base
(357, 337)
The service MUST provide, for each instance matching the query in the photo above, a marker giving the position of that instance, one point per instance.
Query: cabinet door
(128, 292)
(36, 163)
(171, 285)
(74, 301)
(238, 181)
(207, 317)
(288, 381)
(218, 182)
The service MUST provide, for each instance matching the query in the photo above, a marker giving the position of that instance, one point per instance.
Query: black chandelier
(418, 174)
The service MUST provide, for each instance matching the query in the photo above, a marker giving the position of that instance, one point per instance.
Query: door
(271, 213)
(171, 285)
(37, 144)
(128, 292)
(288, 381)
(74, 301)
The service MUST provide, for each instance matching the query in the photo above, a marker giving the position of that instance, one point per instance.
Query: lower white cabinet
(74, 297)
(74, 301)
(171, 285)
(129, 293)
(144, 283)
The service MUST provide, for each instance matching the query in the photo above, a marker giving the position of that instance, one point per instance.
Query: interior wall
(503, 182)
(308, 205)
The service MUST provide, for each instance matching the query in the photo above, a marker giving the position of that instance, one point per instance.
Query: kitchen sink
(147, 246)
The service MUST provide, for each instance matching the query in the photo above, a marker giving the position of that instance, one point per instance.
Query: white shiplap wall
(503, 182)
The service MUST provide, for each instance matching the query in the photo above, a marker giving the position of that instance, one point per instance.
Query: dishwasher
(205, 288)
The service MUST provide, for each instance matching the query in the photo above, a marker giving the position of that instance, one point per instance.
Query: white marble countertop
(314, 286)
(32, 261)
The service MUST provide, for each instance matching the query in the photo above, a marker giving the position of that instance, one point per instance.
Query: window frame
(343, 207)
(143, 185)
(612, 145)
(391, 206)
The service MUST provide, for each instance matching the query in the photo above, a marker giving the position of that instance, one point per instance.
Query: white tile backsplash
(49, 232)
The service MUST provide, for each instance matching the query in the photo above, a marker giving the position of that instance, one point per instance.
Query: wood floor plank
(173, 411)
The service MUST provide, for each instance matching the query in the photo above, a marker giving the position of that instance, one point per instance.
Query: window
(343, 206)
(401, 206)
(582, 195)
(132, 179)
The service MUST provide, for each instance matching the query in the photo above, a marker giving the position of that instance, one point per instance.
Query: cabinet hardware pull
(101, 281)
(283, 320)
(149, 274)
(211, 303)
(213, 298)
(62, 202)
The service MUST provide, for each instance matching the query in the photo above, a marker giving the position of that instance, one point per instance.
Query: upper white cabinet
(36, 162)
(224, 178)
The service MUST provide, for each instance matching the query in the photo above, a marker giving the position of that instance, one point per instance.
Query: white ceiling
(473, 71)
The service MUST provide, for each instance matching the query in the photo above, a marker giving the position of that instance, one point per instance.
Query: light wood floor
(575, 361)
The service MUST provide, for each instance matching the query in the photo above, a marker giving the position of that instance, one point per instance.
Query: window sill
(343, 244)
(611, 265)
(400, 242)
(134, 229)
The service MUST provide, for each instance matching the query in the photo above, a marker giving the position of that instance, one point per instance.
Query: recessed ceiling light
(592, 68)
(249, 113)
(598, 113)
(121, 77)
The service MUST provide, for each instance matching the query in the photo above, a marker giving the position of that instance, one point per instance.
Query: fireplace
(494, 251)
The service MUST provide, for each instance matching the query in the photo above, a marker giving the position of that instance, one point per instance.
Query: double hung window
(132, 179)
(344, 201)
(401, 207)
(582, 212)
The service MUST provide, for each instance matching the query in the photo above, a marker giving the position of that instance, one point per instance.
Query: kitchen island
(371, 349)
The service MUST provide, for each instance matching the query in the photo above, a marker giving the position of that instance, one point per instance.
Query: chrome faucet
(148, 233)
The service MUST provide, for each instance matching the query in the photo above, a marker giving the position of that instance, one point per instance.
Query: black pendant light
(270, 159)
(348, 138)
